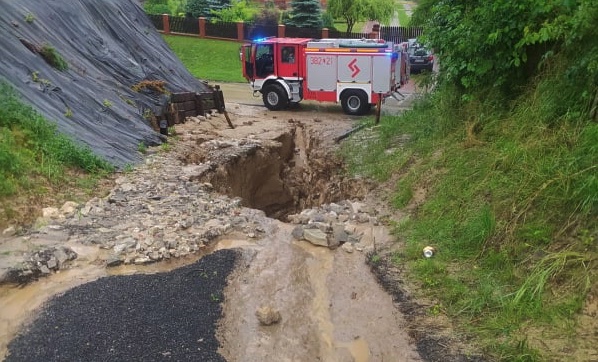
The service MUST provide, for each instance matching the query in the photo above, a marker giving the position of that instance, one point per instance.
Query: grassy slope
(37, 164)
(511, 202)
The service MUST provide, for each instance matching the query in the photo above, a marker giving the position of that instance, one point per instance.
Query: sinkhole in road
(282, 176)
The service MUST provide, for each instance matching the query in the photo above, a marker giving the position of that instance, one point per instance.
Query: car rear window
(420, 52)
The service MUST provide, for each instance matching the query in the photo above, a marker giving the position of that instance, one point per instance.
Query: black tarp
(109, 46)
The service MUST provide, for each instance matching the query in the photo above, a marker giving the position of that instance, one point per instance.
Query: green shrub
(52, 57)
(29, 18)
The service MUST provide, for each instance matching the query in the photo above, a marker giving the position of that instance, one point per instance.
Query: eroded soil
(331, 306)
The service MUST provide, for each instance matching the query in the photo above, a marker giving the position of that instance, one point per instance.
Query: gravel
(158, 317)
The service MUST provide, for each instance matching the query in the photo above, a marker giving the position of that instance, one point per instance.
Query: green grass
(342, 26)
(404, 19)
(34, 157)
(511, 204)
(206, 59)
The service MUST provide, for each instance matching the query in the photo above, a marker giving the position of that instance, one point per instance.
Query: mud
(331, 307)
(285, 175)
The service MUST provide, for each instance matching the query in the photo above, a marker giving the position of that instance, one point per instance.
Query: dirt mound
(76, 62)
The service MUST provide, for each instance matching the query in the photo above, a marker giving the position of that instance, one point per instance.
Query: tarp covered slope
(109, 46)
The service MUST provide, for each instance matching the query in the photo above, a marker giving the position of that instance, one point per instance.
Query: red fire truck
(356, 73)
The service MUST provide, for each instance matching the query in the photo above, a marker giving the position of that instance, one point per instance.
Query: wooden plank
(182, 97)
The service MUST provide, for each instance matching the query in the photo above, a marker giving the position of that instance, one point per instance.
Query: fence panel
(156, 19)
(256, 31)
(296, 32)
(227, 30)
(399, 34)
(186, 25)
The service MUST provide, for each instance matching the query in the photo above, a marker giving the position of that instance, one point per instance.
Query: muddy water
(18, 304)
(332, 308)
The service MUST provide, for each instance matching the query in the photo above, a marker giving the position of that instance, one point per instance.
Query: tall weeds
(511, 203)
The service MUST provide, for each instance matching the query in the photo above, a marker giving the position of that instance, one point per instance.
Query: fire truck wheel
(354, 102)
(275, 98)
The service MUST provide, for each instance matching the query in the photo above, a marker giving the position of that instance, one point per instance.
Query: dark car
(420, 58)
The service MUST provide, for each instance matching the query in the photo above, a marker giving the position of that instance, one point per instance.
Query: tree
(265, 21)
(156, 7)
(240, 10)
(353, 11)
(380, 10)
(501, 44)
(204, 8)
(197, 8)
(306, 14)
(217, 5)
(349, 10)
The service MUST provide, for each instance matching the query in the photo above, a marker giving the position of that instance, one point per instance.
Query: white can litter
(429, 251)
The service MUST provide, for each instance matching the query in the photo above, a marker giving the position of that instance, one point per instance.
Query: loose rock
(267, 315)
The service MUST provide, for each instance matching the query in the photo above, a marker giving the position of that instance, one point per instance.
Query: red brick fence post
(166, 23)
(281, 30)
(202, 27)
(240, 31)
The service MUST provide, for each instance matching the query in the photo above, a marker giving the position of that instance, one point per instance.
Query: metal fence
(256, 31)
(228, 30)
(157, 21)
(222, 29)
(343, 34)
(185, 25)
(295, 32)
(399, 34)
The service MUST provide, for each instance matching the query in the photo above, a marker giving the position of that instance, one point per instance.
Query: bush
(156, 7)
(328, 20)
(197, 8)
(240, 10)
(52, 57)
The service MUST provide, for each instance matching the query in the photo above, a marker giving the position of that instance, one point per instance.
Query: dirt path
(331, 307)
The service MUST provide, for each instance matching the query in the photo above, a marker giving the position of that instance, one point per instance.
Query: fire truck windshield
(264, 60)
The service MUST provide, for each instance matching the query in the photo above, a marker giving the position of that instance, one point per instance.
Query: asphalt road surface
(158, 317)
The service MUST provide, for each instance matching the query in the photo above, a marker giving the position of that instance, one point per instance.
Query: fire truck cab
(356, 73)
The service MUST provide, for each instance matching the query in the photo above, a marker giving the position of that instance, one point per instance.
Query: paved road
(174, 316)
